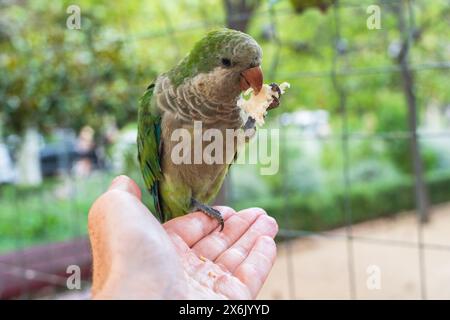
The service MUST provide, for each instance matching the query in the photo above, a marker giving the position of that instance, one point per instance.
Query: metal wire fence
(25, 266)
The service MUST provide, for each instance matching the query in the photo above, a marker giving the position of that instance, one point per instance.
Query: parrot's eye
(226, 62)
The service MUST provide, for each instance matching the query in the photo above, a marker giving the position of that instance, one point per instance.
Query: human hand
(135, 257)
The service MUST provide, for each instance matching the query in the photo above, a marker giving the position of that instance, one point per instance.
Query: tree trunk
(239, 13)
(407, 74)
(28, 161)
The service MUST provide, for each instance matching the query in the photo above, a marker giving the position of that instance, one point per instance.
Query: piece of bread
(255, 106)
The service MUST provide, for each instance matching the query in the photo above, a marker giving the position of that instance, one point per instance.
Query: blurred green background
(69, 105)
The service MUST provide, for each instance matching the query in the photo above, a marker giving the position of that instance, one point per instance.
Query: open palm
(186, 258)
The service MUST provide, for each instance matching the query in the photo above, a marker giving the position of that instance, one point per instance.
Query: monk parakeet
(204, 86)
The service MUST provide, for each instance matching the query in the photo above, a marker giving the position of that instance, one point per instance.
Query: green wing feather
(149, 146)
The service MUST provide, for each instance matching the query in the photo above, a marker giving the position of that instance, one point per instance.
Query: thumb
(125, 238)
(126, 184)
(106, 214)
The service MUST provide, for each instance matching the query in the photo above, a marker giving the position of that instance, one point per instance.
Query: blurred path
(320, 264)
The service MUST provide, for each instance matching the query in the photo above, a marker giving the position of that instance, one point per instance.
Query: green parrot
(205, 87)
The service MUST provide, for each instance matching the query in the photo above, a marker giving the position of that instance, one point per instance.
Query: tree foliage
(55, 77)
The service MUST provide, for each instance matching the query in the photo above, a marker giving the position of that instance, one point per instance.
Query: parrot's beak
(253, 78)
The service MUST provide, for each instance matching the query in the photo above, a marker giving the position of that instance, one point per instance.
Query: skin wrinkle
(180, 245)
(222, 285)
(200, 272)
(221, 241)
(197, 225)
(247, 243)
(222, 277)
(224, 240)
(258, 255)
(220, 235)
(204, 289)
(192, 222)
(249, 270)
(233, 267)
(225, 220)
(239, 250)
(262, 257)
(194, 264)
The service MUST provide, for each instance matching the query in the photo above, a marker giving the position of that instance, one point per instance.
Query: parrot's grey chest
(186, 158)
(201, 98)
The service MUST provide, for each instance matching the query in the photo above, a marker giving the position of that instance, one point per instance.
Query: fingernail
(118, 181)
(126, 184)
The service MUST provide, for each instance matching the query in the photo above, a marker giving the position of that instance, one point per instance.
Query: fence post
(408, 88)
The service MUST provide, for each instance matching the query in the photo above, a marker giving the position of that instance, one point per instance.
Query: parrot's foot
(249, 124)
(210, 211)
(249, 128)
(276, 100)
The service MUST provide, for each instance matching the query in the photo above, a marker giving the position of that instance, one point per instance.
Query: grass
(55, 211)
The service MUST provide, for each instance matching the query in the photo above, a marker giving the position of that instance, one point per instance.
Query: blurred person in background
(85, 148)
(6, 166)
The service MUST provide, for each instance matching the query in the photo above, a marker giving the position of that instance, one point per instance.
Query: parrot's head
(222, 65)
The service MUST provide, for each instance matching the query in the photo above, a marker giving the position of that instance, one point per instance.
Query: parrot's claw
(276, 100)
(249, 128)
(275, 103)
(276, 88)
(249, 124)
(210, 211)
